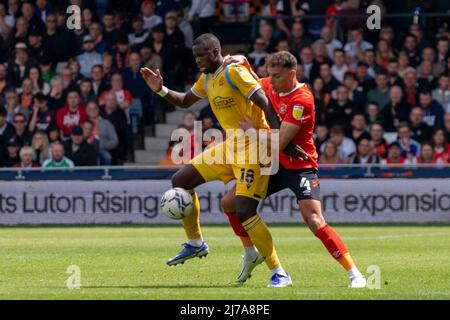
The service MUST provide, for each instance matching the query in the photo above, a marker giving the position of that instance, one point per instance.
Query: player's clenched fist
(153, 79)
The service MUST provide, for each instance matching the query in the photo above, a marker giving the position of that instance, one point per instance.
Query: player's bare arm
(287, 133)
(154, 81)
(260, 99)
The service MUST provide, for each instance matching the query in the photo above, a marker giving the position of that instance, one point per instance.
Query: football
(177, 203)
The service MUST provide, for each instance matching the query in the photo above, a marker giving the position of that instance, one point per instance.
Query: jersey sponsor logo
(297, 112)
(223, 102)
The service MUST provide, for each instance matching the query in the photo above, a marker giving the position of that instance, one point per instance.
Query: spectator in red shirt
(440, 146)
(333, 10)
(123, 96)
(411, 86)
(427, 155)
(379, 144)
(26, 158)
(394, 154)
(71, 115)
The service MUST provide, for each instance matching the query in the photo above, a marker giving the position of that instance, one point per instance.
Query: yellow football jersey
(228, 91)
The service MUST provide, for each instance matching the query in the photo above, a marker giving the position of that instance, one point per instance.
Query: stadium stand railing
(336, 171)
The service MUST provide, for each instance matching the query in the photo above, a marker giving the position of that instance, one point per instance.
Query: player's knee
(245, 208)
(227, 203)
(181, 180)
(244, 215)
(244, 211)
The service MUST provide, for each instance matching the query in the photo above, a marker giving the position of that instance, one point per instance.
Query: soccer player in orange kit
(294, 104)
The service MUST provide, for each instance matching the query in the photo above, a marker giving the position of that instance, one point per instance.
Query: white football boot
(357, 282)
(247, 267)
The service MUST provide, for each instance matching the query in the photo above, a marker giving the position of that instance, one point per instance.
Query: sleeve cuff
(197, 94)
(253, 91)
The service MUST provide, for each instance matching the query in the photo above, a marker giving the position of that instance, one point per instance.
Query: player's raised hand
(153, 79)
(295, 151)
(239, 59)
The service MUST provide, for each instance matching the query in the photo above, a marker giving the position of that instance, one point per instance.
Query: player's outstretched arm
(154, 81)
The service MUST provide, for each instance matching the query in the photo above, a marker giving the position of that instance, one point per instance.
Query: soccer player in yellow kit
(233, 95)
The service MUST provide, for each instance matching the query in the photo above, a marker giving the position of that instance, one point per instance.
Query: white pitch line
(115, 293)
(403, 235)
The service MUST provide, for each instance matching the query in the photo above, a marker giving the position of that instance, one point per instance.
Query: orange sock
(335, 246)
(239, 229)
(346, 261)
(246, 241)
(236, 225)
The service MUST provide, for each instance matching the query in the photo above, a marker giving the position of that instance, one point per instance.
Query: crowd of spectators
(383, 100)
(396, 83)
(67, 95)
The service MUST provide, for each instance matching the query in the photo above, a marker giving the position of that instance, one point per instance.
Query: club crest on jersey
(297, 112)
(282, 108)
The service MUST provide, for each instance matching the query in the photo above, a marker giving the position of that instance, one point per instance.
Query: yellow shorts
(249, 181)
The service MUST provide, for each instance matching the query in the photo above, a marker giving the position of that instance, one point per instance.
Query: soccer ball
(177, 203)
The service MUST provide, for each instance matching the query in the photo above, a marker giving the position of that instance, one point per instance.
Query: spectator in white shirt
(186, 29)
(307, 60)
(326, 37)
(5, 28)
(346, 146)
(89, 57)
(139, 34)
(203, 12)
(442, 93)
(13, 12)
(358, 45)
(339, 67)
(443, 50)
(259, 52)
(149, 16)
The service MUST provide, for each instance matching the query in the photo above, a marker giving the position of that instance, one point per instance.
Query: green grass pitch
(123, 262)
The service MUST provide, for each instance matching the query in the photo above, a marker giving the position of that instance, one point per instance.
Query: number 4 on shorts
(304, 183)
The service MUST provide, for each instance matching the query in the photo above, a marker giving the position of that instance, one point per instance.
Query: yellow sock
(262, 239)
(191, 223)
(346, 261)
